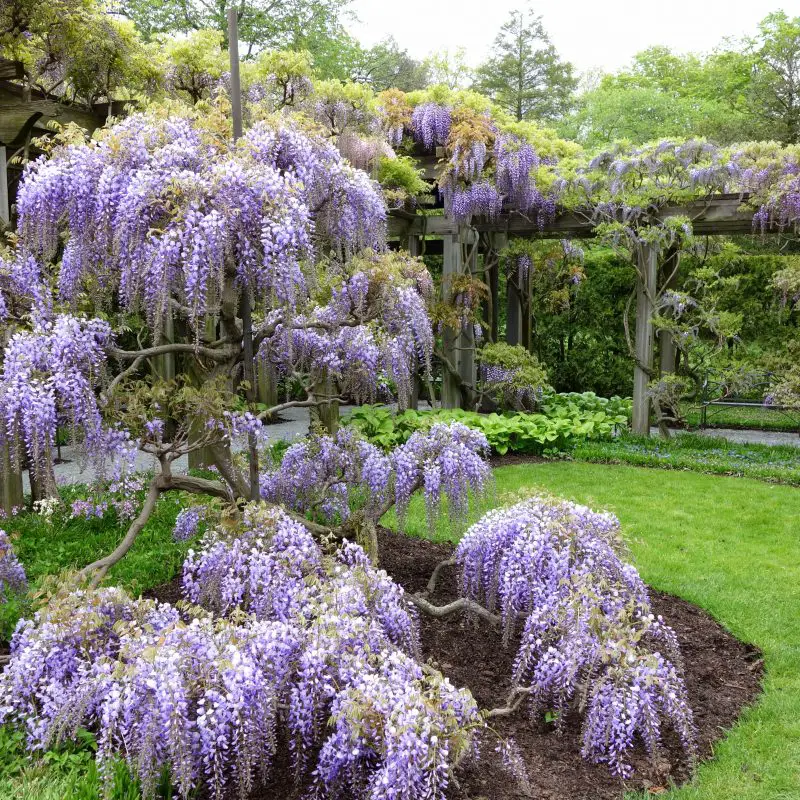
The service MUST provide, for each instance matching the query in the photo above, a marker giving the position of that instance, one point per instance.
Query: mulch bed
(723, 675)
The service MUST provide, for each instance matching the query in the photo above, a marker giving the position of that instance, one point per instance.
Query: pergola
(26, 116)
(716, 215)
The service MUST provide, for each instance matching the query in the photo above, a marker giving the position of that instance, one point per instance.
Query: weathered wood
(468, 240)
(451, 267)
(666, 343)
(718, 215)
(15, 113)
(647, 269)
(513, 313)
(10, 481)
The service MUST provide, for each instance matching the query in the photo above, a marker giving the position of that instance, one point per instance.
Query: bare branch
(461, 604)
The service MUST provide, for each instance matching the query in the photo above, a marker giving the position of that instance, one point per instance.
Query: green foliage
(566, 420)
(711, 454)
(519, 383)
(401, 176)
(53, 544)
(77, 51)
(313, 25)
(195, 62)
(525, 76)
(386, 65)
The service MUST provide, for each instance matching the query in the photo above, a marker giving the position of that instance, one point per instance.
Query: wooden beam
(10, 481)
(719, 215)
(647, 269)
(466, 341)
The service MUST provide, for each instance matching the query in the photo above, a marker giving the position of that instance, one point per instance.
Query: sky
(592, 34)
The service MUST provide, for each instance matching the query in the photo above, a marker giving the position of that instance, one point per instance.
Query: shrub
(565, 421)
(328, 656)
(589, 637)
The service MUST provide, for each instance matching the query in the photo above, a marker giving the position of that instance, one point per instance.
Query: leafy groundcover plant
(564, 422)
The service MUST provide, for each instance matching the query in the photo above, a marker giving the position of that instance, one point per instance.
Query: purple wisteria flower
(12, 573)
(588, 634)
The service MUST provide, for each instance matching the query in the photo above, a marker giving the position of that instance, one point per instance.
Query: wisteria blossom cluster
(12, 573)
(373, 329)
(446, 461)
(325, 659)
(21, 284)
(332, 476)
(512, 377)
(328, 475)
(588, 634)
(158, 208)
(50, 374)
(430, 123)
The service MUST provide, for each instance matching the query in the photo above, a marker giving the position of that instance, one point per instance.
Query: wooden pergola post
(666, 342)
(451, 268)
(5, 209)
(513, 313)
(466, 340)
(647, 272)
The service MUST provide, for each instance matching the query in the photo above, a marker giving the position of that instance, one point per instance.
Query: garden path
(294, 424)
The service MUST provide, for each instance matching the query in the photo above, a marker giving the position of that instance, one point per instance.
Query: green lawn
(732, 546)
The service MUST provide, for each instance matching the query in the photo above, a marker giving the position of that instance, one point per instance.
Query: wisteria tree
(162, 217)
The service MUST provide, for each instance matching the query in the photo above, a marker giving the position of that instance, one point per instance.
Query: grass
(48, 548)
(687, 451)
(730, 546)
(755, 418)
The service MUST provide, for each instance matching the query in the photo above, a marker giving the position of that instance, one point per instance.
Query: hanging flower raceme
(211, 701)
(588, 631)
(159, 209)
(445, 461)
(21, 283)
(430, 123)
(373, 334)
(325, 475)
(51, 372)
(12, 573)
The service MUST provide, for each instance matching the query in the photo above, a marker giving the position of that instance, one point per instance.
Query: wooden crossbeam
(719, 215)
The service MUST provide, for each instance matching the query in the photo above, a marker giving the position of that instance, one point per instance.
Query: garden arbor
(716, 215)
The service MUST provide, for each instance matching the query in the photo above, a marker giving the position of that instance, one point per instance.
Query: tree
(526, 77)
(449, 69)
(73, 50)
(263, 24)
(773, 95)
(387, 66)
(663, 94)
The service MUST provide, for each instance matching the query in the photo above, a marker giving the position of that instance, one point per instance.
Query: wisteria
(331, 476)
(54, 370)
(205, 699)
(187, 523)
(445, 461)
(373, 329)
(12, 573)
(588, 632)
(431, 124)
(156, 208)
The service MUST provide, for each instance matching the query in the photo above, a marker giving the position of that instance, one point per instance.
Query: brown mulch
(723, 675)
(510, 459)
